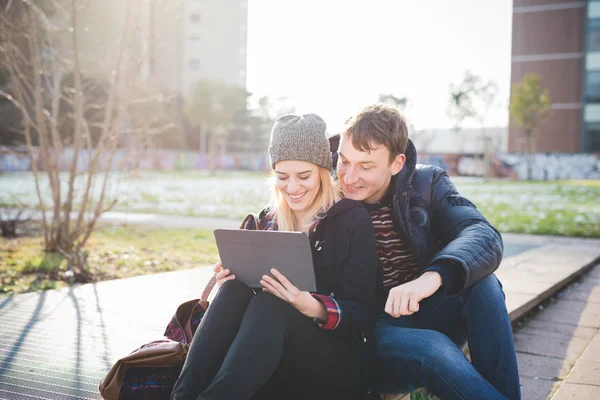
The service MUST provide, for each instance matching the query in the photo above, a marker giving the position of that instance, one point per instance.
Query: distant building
(180, 41)
(560, 41)
(202, 39)
(215, 42)
(463, 141)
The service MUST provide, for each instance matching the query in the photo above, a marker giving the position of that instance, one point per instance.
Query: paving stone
(534, 366)
(518, 304)
(587, 293)
(580, 313)
(99, 323)
(577, 392)
(584, 316)
(568, 350)
(585, 372)
(524, 285)
(592, 352)
(536, 389)
(595, 272)
(556, 330)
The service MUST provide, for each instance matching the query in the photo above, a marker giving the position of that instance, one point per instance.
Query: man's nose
(351, 176)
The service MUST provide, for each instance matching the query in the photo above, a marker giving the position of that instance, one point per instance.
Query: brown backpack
(150, 371)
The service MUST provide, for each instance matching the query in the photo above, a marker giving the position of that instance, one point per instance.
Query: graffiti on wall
(14, 162)
(544, 166)
(548, 166)
(18, 159)
(551, 166)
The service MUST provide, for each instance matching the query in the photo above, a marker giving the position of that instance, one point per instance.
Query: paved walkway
(558, 349)
(58, 344)
(163, 220)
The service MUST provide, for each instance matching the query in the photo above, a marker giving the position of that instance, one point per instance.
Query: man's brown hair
(378, 124)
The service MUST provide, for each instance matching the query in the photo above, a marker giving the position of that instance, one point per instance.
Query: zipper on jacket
(403, 226)
(400, 220)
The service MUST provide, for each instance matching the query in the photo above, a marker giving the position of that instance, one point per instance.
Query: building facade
(197, 40)
(559, 40)
(215, 42)
(180, 41)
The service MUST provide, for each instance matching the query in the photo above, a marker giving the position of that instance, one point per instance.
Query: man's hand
(404, 299)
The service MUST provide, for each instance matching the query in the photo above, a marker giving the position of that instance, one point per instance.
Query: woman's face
(299, 183)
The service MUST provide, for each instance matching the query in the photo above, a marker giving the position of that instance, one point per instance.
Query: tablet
(250, 254)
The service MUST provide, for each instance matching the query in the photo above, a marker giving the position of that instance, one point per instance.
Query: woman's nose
(293, 186)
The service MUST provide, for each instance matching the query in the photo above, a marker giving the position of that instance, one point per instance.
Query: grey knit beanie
(300, 138)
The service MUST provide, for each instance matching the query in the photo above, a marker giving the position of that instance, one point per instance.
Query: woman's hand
(300, 299)
(222, 275)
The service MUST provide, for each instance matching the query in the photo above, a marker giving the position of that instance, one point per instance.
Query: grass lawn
(564, 208)
(113, 252)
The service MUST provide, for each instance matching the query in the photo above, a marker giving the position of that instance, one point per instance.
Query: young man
(437, 254)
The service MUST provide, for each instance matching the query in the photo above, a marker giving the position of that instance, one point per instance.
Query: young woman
(282, 342)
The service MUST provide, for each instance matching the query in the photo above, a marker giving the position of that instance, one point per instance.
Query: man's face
(366, 175)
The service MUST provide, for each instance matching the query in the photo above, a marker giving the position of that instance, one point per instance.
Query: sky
(333, 57)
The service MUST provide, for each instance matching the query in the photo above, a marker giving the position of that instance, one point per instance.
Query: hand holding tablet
(250, 255)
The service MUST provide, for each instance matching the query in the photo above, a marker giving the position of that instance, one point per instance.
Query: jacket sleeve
(469, 242)
(334, 312)
(356, 301)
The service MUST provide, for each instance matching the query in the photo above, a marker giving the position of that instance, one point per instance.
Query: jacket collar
(404, 178)
(337, 209)
(342, 206)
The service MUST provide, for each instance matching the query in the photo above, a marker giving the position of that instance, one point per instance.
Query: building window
(195, 18)
(593, 35)
(593, 9)
(592, 87)
(592, 141)
(194, 64)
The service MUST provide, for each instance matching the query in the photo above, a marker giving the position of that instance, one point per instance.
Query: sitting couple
(404, 269)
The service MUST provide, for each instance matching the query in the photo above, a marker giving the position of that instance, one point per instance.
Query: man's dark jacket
(443, 229)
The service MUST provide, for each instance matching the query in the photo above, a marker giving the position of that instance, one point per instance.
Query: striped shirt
(398, 264)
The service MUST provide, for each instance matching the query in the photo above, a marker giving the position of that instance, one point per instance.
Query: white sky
(334, 56)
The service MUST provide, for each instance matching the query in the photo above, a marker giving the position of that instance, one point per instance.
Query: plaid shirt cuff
(334, 312)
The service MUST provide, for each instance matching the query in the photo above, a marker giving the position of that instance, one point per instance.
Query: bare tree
(263, 114)
(68, 103)
(473, 98)
(421, 138)
(401, 103)
(529, 105)
(212, 107)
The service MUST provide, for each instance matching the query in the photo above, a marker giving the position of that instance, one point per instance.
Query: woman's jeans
(258, 346)
(423, 349)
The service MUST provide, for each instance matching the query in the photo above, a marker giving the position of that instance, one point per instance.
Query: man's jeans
(423, 349)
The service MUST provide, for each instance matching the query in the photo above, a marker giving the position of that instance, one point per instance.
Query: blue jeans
(424, 349)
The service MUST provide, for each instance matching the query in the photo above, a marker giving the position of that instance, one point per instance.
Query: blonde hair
(329, 193)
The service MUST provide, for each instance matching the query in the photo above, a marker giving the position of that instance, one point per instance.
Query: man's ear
(398, 163)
